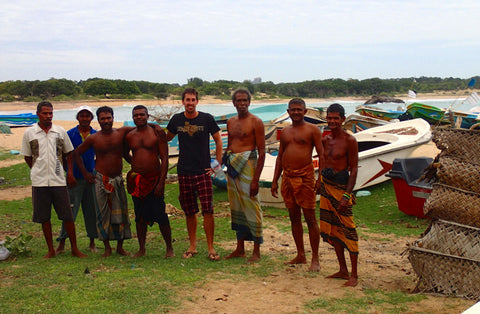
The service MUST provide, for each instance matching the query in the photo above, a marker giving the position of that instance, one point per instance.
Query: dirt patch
(15, 193)
(381, 266)
(10, 162)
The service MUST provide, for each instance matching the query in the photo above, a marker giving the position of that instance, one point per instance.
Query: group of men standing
(95, 178)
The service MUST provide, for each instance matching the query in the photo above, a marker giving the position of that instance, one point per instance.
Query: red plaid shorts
(192, 185)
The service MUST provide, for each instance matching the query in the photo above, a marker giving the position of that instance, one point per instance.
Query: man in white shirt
(44, 148)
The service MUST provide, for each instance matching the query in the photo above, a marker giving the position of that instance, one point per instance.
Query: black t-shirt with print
(194, 141)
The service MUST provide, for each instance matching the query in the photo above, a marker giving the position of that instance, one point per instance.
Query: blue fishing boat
(21, 119)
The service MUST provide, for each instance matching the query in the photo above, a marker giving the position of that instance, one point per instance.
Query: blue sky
(279, 41)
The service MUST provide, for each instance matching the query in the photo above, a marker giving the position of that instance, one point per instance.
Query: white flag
(412, 94)
(473, 99)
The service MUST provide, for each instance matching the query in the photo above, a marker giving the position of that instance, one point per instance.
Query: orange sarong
(298, 187)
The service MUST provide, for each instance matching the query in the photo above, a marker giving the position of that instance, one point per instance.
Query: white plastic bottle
(219, 174)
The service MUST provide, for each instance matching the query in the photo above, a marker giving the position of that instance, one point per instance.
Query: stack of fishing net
(447, 258)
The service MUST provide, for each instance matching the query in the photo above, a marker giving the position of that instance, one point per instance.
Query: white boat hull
(399, 139)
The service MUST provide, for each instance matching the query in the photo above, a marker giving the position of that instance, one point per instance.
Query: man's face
(140, 117)
(296, 112)
(334, 120)
(45, 116)
(241, 102)
(190, 103)
(105, 119)
(84, 118)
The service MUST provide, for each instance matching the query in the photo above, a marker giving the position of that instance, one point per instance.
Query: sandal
(189, 254)
(213, 257)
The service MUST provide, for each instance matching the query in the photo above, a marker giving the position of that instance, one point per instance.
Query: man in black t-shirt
(194, 171)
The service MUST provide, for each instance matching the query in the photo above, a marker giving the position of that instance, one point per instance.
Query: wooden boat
(266, 113)
(357, 123)
(431, 114)
(437, 116)
(378, 113)
(21, 119)
(314, 115)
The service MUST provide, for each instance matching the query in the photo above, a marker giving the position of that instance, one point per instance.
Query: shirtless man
(298, 181)
(110, 197)
(338, 179)
(146, 180)
(246, 137)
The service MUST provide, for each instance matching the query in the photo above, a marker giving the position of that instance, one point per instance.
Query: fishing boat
(21, 119)
(431, 114)
(357, 123)
(437, 116)
(378, 113)
(379, 146)
(266, 113)
(465, 120)
(314, 115)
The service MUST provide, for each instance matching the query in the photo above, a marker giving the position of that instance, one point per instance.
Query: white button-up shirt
(46, 151)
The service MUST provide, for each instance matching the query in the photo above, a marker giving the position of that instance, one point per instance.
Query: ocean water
(124, 113)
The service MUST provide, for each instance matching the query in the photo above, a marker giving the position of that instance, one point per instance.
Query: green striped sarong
(247, 217)
(111, 208)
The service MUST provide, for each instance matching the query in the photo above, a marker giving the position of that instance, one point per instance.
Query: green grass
(383, 302)
(379, 213)
(5, 155)
(16, 175)
(155, 284)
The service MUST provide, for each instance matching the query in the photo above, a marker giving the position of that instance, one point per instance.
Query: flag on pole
(412, 93)
(473, 99)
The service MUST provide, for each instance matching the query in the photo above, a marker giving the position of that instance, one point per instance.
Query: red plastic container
(410, 194)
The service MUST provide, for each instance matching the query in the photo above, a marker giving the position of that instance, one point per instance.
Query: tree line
(64, 89)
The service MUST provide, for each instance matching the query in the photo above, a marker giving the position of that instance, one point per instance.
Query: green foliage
(99, 87)
(6, 97)
(53, 88)
(18, 246)
(33, 99)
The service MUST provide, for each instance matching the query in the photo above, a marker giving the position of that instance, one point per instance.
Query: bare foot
(140, 253)
(297, 260)
(50, 254)
(314, 268)
(107, 253)
(253, 259)
(122, 252)
(352, 282)
(340, 274)
(169, 253)
(235, 254)
(61, 248)
(78, 254)
(93, 249)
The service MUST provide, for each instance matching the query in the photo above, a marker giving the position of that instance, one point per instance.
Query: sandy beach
(20, 105)
(13, 141)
